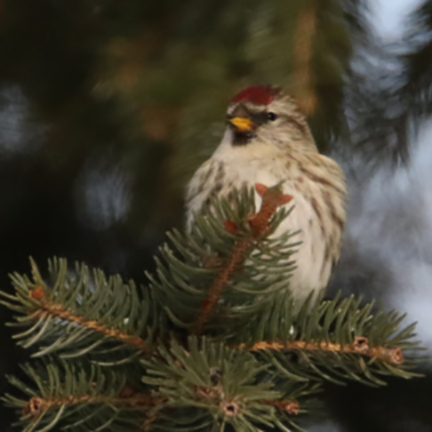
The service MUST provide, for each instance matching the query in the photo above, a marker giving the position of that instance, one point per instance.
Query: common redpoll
(268, 141)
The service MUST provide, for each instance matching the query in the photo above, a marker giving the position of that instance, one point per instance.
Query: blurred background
(108, 107)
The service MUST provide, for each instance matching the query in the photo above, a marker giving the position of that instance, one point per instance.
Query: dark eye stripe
(260, 118)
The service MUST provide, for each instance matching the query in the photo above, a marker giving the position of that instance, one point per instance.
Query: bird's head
(265, 114)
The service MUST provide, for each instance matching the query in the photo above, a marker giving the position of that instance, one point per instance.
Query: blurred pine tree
(120, 102)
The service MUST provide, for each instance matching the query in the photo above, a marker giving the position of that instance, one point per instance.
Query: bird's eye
(271, 116)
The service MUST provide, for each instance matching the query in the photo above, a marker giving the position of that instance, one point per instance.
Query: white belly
(311, 273)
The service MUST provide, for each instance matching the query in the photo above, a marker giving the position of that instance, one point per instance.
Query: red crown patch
(260, 94)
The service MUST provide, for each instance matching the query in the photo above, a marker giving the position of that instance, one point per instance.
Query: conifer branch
(334, 339)
(303, 50)
(359, 346)
(152, 416)
(228, 386)
(39, 405)
(240, 376)
(47, 308)
(89, 396)
(291, 407)
(217, 394)
(80, 313)
(272, 198)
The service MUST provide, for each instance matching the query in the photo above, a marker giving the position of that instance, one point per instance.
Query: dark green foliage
(389, 93)
(84, 397)
(226, 386)
(258, 363)
(142, 87)
(185, 274)
(335, 321)
(417, 69)
(77, 299)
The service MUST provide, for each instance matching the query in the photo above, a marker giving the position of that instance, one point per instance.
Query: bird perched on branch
(268, 141)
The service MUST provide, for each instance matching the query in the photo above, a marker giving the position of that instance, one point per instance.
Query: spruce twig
(39, 405)
(245, 377)
(360, 345)
(303, 49)
(56, 310)
(291, 407)
(272, 198)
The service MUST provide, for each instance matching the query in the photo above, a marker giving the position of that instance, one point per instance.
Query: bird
(268, 141)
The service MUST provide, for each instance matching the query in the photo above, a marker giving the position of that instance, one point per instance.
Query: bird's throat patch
(242, 138)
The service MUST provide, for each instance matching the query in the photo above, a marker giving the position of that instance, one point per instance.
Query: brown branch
(128, 398)
(359, 346)
(38, 406)
(57, 310)
(259, 225)
(272, 198)
(303, 50)
(216, 395)
(289, 406)
(152, 416)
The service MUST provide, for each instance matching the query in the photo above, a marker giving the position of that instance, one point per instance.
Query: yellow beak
(242, 124)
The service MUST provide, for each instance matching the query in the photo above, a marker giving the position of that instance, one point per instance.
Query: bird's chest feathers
(269, 171)
(317, 209)
(253, 164)
(306, 215)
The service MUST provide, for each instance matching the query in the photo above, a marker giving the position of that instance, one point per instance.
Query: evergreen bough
(214, 342)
